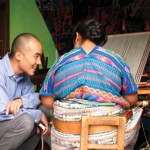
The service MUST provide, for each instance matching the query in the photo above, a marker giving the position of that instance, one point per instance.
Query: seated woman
(88, 80)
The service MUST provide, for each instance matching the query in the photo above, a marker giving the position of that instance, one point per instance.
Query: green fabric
(26, 17)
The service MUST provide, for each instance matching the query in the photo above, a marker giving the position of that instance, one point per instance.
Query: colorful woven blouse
(100, 76)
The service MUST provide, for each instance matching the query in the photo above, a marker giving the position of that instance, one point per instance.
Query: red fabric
(147, 28)
(123, 26)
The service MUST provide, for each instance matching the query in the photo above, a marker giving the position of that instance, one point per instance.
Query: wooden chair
(107, 121)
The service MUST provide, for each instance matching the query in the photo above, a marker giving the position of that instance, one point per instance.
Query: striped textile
(61, 141)
(99, 76)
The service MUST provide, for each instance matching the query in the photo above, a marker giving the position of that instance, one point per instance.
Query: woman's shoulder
(115, 57)
(109, 52)
(68, 55)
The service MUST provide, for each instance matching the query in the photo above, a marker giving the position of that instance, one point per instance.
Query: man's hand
(14, 106)
(46, 124)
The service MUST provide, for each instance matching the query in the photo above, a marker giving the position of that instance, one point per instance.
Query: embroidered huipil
(100, 76)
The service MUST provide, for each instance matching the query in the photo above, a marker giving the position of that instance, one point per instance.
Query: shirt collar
(9, 68)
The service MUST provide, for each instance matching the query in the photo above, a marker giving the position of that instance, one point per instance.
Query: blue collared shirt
(13, 86)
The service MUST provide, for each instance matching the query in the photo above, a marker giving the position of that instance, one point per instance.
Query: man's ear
(18, 55)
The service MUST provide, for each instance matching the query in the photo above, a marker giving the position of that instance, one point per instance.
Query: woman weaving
(87, 80)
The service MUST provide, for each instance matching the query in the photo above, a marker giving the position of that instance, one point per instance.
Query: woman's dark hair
(92, 30)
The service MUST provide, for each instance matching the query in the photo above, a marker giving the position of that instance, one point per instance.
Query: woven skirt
(67, 137)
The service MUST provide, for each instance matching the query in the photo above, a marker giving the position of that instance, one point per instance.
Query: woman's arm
(132, 98)
(47, 101)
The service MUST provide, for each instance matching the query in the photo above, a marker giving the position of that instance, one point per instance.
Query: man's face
(31, 57)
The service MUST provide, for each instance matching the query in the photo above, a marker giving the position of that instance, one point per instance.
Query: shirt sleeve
(29, 97)
(47, 85)
(3, 94)
(128, 84)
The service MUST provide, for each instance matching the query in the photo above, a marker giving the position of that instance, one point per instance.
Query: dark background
(118, 16)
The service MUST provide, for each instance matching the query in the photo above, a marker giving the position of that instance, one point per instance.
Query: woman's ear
(77, 41)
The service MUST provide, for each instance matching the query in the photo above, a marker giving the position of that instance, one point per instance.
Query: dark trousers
(141, 138)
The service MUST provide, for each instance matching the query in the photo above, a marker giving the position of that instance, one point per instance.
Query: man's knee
(20, 128)
(28, 122)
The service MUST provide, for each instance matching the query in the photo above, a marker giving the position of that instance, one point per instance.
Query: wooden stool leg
(84, 134)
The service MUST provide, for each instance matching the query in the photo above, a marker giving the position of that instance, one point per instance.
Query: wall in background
(58, 17)
(118, 17)
(25, 17)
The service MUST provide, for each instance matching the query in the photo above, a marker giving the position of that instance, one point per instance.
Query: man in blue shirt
(19, 111)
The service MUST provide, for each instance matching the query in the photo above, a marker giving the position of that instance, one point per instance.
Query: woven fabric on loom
(63, 110)
(134, 49)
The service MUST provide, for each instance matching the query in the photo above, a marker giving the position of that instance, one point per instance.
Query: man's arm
(4, 99)
(30, 99)
(13, 105)
(7, 105)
